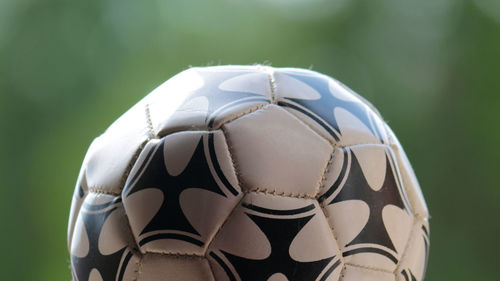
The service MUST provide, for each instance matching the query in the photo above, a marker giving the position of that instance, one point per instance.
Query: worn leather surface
(248, 173)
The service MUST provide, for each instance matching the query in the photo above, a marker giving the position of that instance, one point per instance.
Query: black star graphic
(196, 175)
(324, 106)
(107, 265)
(356, 188)
(280, 234)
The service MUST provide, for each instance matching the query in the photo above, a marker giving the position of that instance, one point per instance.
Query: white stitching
(369, 267)
(174, 254)
(236, 173)
(102, 190)
(149, 120)
(275, 192)
(272, 83)
(322, 182)
(332, 230)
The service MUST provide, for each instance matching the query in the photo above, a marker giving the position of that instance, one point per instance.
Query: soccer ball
(248, 173)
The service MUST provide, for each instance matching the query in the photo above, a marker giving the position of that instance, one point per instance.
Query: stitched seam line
(397, 149)
(101, 190)
(211, 269)
(415, 223)
(132, 163)
(371, 268)
(149, 120)
(241, 114)
(332, 231)
(175, 254)
(207, 129)
(138, 268)
(399, 165)
(342, 272)
(279, 193)
(231, 155)
(237, 175)
(322, 182)
(272, 83)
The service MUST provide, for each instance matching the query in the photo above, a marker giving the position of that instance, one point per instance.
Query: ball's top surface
(248, 173)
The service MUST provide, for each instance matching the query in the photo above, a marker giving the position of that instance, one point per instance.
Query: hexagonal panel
(269, 236)
(368, 209)
(180, 191)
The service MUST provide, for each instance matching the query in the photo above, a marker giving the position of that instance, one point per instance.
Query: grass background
(69, 68)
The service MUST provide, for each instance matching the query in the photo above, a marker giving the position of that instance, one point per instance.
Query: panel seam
(369, 267)
(237, 175)
(102, 190)
(415, 222)
(394, 148)
(149, 121)
(274, 192)
(272, 82)
(138, 268)
(322, 181)
(332, 231)
(174, 254)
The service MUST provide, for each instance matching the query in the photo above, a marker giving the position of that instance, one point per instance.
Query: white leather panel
(180, 191)
(110, 155)
(276, 153)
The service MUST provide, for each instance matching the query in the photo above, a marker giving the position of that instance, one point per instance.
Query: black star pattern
(324, 106)
(280, 234)
(357, 188)
(170, 216)
(107, 265)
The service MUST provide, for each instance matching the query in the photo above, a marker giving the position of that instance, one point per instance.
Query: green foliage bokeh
(69, 68)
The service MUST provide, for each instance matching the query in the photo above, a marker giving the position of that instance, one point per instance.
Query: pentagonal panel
(368, 210)
(202, 98)
(414, 263)
(155, 267)
(409, 179)
(277, 153)
(269, 235)
(109, 155)
(354, 273)
(100, 248)
(328, 107)
(179, 192)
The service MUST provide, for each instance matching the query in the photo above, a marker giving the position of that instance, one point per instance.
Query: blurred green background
(69, 68)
